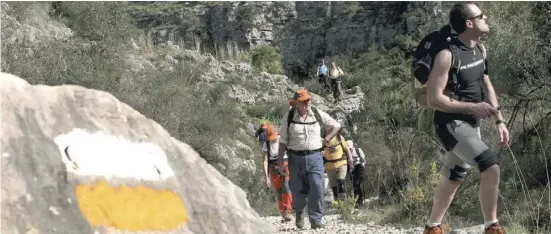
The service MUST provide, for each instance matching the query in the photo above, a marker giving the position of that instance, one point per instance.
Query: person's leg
(324, 81)
(315, 168)
(299, 186)
(341, 183)
(454, 171)
(277, 185)
(332, 177)
(286, 197)
(470, 147)
(334, 88)
(339, 88)
(357, 182)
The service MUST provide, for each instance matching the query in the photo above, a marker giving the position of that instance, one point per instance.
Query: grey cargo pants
(306, 183)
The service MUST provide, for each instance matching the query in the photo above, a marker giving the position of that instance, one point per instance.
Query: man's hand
(483, 110)
(324, 141)
(503, 134)
(267, 182)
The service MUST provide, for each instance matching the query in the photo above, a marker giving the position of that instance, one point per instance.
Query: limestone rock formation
(66, 150)
(303, 31)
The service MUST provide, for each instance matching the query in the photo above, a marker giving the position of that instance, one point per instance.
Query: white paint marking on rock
(54, 210)
(100, 154)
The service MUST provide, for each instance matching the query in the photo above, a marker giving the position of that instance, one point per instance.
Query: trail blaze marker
(122, 207)
(134, 209)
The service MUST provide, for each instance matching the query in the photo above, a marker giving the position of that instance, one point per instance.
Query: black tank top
(470, 79)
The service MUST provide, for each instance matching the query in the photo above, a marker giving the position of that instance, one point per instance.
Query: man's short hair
(459, 14)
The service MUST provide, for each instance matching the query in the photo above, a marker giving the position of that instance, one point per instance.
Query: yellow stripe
(133, 209)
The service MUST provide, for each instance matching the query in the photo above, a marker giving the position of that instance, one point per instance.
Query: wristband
(499, 121)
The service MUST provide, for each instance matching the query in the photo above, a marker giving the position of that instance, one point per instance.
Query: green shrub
(266, 59)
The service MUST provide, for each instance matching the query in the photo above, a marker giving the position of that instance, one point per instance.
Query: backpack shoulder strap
(318, 119)
(482, 49)
(456, 65)
(339, 138)
(290, 116)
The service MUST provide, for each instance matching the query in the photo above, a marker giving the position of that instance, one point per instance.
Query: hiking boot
(286, 216)
(433, 230)
(299, 221)
(494, 229)
(315, 225)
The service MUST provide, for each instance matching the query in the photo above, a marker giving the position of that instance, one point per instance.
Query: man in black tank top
(459, 109)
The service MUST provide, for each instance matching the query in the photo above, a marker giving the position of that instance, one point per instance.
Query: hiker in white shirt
(357, 175)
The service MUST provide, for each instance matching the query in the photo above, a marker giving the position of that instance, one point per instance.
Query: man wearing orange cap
(273, 176)
(301, 137)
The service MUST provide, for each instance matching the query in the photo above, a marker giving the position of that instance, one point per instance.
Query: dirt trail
(333, 225)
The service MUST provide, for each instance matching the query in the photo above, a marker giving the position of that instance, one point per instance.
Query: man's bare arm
(265, 164)
(491, 95)
(438, 79)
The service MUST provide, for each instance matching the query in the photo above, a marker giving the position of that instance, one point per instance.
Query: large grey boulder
(59, 143)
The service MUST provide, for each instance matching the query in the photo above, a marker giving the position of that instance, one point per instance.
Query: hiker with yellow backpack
(337, 157)
(273, 176)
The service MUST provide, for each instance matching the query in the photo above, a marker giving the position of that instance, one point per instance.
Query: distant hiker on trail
(336, 82)
(358, 165)
(321, 73)
(460, 91)
(273, 176)
(336, 157)
(260, 133)
(304, 131)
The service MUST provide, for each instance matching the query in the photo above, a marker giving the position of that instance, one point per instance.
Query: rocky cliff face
(246, 23)
(303, 31)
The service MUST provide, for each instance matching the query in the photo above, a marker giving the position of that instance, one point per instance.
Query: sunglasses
(307, 100)
(481, 16)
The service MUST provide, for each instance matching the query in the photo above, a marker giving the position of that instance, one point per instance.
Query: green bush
(266, 59)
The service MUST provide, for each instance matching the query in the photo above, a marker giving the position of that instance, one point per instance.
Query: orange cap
(300, 95)
(271, 133)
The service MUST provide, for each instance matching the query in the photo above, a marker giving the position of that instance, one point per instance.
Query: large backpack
(425, 53)
(422, 61)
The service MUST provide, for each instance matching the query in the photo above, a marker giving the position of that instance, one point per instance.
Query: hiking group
(457, 94)
(310, 143)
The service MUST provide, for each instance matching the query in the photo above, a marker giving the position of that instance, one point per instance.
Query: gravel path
(335, 226)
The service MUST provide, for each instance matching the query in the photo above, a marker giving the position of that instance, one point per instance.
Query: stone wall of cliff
(302, 31)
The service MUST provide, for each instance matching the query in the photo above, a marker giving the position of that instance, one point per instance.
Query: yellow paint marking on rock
(133, 209)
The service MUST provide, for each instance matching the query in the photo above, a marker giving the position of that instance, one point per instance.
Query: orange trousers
(280, 183)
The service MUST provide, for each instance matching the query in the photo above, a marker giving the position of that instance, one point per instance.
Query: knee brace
(457, 173)
(486, 159)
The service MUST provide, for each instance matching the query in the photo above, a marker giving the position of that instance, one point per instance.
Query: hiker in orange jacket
(273, 177)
